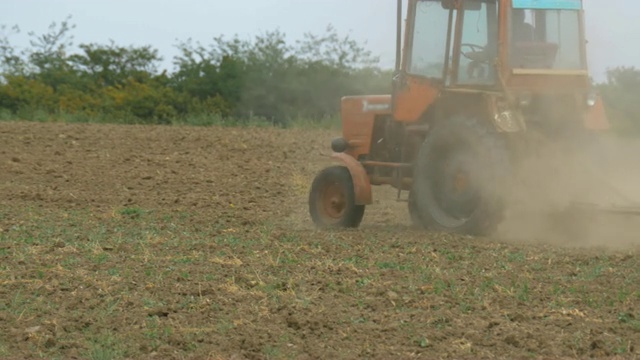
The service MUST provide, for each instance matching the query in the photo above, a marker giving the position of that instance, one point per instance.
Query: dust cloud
(602, 173)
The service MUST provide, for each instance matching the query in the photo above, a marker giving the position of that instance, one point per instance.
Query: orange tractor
(474, 79)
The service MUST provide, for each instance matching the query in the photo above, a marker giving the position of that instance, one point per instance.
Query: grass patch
(132, 212)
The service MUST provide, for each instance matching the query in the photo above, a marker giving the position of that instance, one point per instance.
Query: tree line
(265, 79)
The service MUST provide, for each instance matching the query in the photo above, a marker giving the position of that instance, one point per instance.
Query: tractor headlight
(506, 121)
(506, 117)
(592, 98)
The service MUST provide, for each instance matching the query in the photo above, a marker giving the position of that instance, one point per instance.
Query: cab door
(427, 53)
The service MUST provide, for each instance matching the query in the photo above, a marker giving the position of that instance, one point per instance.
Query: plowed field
(195, 243)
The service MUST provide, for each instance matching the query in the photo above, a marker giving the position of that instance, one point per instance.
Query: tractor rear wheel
(332, 199)
(459, 178)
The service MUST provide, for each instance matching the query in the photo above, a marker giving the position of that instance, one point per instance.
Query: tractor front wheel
(459, 177)
(332, 200)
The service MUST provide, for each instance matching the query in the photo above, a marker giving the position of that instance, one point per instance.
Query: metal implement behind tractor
(477, 84)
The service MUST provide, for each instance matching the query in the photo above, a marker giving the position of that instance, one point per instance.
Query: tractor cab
(514, 46)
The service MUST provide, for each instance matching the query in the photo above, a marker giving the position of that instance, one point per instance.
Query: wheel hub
(334, 201)
(461, 181)
(456, 189)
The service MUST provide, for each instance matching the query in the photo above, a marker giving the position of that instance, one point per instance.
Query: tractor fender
(361, 183)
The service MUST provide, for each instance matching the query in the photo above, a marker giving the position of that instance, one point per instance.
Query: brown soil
(182, 242)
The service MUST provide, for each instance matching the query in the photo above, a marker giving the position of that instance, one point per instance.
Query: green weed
(523, 292)
(105, 347)
(132, 212)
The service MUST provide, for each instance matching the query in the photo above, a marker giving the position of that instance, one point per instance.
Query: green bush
(620, 94)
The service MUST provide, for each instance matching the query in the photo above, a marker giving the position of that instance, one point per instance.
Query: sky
(162, 23)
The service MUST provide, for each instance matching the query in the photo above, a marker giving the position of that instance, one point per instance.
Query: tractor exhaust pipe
(399, 36)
